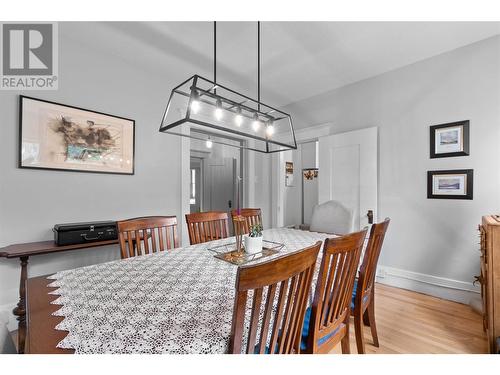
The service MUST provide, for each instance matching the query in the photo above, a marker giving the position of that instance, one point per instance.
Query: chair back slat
(146, 242)
(153, 233)
(252, 216)
(145, 235)
(207, 226)
(281, 327)
(267, 317)
(332, 297)
(254, 320)
(368, 268)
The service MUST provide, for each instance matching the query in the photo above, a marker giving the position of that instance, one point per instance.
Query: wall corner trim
(441, 287)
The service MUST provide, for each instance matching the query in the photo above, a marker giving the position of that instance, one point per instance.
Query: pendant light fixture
(210, 108)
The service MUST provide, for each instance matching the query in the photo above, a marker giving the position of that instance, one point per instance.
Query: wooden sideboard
(23, 252)
(490, 278)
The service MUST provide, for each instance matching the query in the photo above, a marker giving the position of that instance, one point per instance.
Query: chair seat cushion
(353, 299)
(354, 290)
(266, 351)
(305, 332)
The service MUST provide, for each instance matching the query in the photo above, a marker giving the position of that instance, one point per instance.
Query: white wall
(292, 209)
(303, 157)
(32, 201)
(262, 186)
(309, 153)
(429, 241)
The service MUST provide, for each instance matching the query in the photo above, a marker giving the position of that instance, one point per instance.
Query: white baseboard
(453, 290)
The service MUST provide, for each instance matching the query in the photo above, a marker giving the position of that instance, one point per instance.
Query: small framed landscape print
(451, 184)
(450, 139)
(61, 137)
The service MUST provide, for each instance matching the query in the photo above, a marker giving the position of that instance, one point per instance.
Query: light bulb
(195, 103)
(238, 118)
(195, 106)
(256, 122)
(218, 110)
(208, 143)
(270, 129)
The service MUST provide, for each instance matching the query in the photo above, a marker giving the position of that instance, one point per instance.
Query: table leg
(20, 310)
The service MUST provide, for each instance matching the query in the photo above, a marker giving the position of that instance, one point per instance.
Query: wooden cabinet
(490, 277)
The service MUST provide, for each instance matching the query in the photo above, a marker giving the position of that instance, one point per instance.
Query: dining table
(178, 301)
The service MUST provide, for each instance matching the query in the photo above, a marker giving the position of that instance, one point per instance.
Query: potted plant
(253, 242)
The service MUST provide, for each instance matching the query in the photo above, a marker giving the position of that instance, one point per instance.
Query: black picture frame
(465, 140)
(469, 184)
(22, 99)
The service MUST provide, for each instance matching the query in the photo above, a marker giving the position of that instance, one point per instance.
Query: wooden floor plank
(410, 322)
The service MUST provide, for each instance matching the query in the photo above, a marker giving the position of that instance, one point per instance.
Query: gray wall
(292, 208)
(32, 201)
(262, 185)
(431, 237)
(303, 157)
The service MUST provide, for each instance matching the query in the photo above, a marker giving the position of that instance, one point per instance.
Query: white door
(348, 172)
(219, 184)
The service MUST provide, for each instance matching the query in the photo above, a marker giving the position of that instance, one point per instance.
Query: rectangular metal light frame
(254, 106)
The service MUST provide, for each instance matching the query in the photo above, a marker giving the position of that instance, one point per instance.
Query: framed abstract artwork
(62, 137)
(450, 184)
(450, 139)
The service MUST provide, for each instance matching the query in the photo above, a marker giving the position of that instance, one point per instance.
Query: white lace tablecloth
(178, 301)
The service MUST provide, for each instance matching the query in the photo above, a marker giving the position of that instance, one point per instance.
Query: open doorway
(214, 169)
(301, 183)
(347, 171)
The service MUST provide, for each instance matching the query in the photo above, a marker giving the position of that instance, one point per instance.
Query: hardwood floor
(410, 322)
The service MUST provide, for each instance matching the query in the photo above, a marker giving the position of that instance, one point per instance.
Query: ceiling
(299, 59)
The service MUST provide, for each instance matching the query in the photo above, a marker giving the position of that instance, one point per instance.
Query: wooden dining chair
(363, 297)
(252, 216)
(280, 290)
(207, 226)
(327, 320)
(145, 235)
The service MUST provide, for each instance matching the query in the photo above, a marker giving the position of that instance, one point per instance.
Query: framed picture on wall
(450, 139)
(450, 184)
(62, 137)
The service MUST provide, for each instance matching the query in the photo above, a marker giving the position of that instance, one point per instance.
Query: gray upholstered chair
(332, 217)
(6, 344)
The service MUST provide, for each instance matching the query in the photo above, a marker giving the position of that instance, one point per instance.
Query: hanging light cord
(258, 65)
(215, 54)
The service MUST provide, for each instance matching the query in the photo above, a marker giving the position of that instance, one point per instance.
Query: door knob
(230, 203)
(370, 216)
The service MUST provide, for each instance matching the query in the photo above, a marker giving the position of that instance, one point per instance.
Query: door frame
(305, 135)
(309, 134)
(248, 186)
(199, 186)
